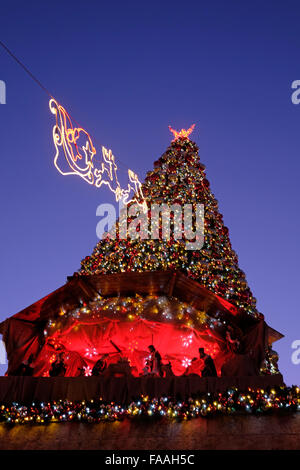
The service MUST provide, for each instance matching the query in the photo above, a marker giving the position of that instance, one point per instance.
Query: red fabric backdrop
(84, 342)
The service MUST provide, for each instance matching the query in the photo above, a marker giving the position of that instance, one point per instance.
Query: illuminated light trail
(66, 136)
(79, 152)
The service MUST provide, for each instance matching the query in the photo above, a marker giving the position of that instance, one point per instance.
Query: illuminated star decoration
(187, 340)
(79, 159)
(87, 371)
(183, 134)
(186, 362)
(90, 352)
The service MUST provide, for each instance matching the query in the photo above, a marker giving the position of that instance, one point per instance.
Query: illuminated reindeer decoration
(79, 152)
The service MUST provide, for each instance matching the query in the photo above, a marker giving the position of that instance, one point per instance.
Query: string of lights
(232, 402)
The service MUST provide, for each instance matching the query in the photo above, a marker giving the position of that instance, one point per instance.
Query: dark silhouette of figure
(58, 368)
(26, 368)
(100, 366)
(209, 369)
(167, 370)
(155, 361)
(232, 342)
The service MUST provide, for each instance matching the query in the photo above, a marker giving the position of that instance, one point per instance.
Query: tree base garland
(233, 402)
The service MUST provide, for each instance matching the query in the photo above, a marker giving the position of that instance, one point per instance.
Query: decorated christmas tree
(144, 307)
(179, 177)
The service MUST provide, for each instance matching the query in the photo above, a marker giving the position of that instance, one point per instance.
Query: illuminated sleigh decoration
(75, 146)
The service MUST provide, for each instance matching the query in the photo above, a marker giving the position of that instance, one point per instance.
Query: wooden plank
(172, 284)
(167, 283)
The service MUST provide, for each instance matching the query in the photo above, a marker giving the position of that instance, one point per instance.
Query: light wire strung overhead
(67, 137)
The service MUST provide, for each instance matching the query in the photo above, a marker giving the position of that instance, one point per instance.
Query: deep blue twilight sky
(125, 71)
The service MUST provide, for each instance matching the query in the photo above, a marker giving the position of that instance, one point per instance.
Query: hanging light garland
(151, 307)
(231, 402)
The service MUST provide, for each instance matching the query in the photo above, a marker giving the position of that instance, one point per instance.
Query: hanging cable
(33, 77)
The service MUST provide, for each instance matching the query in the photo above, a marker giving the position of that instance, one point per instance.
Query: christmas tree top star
(183, 134)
